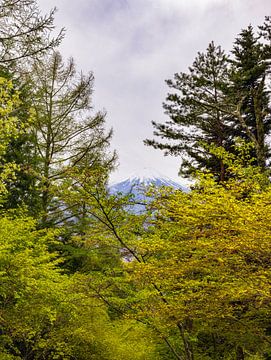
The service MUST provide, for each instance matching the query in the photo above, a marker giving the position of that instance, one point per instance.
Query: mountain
(135, 185)
(132, 184)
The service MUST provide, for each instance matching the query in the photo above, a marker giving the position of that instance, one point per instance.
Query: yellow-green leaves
(209, 261)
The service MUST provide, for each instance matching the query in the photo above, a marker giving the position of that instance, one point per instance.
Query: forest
(84, 278)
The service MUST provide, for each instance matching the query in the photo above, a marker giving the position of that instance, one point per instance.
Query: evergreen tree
(248, 91)
(21, 152)
(11, 129)
(219, 100)
(196, 119)
(24, 34)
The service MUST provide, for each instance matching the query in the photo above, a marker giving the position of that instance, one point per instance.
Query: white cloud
(133, 46)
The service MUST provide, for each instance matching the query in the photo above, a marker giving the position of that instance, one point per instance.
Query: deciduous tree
(67, 134)
(207, 253)
(24, 33)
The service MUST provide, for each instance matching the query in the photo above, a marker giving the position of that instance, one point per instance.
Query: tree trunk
(240, 353)
(188, 349)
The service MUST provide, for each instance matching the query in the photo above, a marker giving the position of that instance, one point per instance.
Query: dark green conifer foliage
(219, 100)
(196, 120)
(22, 191)
(249, 93)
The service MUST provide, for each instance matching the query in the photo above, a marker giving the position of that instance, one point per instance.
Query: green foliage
(248, 90)
(67, 135)
(196, 110)
(47, 314)
(220, 98)
(207, 267)
(23, 190)
(11, 129)
(190, 278)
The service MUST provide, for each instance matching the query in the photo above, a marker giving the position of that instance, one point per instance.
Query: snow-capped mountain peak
(150, 176)
(135, 183)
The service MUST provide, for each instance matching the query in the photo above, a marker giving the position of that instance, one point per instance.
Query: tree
(11, 129)
(111, 230)
(249, 80)
(207, 253)
(67, 135)
(193, 125)
(219, 100)
(195, 267)
(46, 314)
(24, 32)
(20, 151)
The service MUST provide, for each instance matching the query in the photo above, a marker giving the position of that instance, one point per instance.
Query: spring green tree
(67, 134)
(206, 268)
(47, 314)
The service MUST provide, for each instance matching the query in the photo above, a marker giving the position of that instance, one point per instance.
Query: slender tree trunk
(219, 130)
(189, 353)
(240, 353)
(259, 117)
(49, 149)
(222, 171)
(46, 182)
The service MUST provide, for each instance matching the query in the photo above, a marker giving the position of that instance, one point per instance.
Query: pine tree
(249, 93)
(219, 100)
(193, 124)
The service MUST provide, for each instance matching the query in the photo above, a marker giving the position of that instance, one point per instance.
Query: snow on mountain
(147, 177)
(135, 185)
(131, 184)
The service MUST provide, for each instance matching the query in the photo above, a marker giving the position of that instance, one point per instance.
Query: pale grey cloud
(132, 46)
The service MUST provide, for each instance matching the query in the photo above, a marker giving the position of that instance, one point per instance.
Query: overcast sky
(132, 46)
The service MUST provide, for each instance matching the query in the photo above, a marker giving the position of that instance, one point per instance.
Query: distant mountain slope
(131, 184)
(135, 185)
